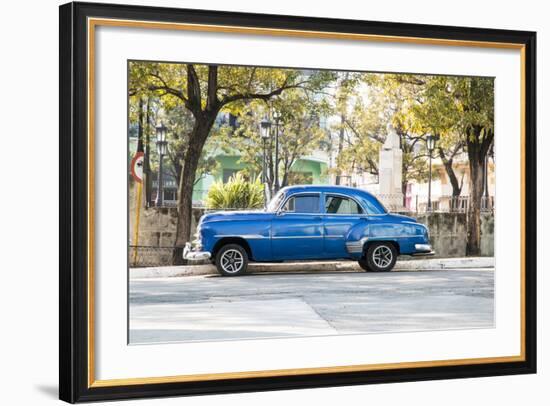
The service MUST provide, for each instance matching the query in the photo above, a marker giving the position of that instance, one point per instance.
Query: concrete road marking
(240, 319)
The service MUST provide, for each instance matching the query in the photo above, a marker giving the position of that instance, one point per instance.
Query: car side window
(302, 204)
(341, 205)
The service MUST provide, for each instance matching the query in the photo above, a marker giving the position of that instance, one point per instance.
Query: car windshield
(275, 202)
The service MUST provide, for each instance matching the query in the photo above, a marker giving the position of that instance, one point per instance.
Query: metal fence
(446, 204)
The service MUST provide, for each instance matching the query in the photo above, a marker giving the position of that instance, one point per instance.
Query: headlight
(197, 244)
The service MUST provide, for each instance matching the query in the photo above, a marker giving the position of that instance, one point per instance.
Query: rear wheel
(231, 260)
(380, 257)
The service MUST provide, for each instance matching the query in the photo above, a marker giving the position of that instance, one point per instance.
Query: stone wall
(157, 232)
(448, 233)
(157, 226)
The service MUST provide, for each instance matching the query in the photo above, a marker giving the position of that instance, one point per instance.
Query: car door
(297, 228)
(341, 213)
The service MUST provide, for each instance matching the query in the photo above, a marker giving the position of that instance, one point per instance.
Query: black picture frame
(74, 385)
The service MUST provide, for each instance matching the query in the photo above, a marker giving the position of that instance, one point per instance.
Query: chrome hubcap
(382, 256)
(231, 261)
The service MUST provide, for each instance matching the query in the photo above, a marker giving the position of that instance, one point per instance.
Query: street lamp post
(277, 118)
(265, 132)
(265, 128)
(161, 149)
(430, 144)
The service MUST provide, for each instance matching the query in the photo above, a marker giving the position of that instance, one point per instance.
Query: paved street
(295, 304)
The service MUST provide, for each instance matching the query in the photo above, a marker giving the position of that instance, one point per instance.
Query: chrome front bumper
(191, 255)
(423, 250)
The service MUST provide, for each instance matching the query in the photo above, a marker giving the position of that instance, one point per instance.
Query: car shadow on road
(328, 273)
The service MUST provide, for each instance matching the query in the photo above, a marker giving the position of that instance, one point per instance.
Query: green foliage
(187, 93)
(237, 193)
(459, 110)
(299, 134)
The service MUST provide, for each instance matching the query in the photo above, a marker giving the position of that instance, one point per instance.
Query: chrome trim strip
(395, 236)
(283, 213)
(297, 236)
(246, 236)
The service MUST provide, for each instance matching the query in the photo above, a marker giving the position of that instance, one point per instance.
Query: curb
(315, 266)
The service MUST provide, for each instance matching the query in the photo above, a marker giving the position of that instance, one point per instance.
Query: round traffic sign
(137, 167)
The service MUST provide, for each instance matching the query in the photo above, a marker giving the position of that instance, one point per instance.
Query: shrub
(237, 193)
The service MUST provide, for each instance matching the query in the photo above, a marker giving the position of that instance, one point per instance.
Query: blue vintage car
(309, 223)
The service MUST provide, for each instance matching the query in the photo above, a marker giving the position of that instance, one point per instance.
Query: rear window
(374, 206)
(341, 205)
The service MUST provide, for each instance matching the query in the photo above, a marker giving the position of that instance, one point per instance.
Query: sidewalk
(317, 266)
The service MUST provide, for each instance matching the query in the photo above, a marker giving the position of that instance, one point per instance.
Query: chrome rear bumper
(423, 250)
(191, 255)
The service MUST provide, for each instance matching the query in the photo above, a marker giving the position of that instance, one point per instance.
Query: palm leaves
(238, 193)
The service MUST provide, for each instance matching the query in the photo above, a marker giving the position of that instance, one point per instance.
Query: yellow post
(136, 228)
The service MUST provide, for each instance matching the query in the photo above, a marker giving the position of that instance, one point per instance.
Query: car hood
(236, 215)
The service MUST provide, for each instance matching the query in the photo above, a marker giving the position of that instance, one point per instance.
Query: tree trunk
(448, 164)
(147, 157)
(473, 243)
(197, 140)
(140, 126)
(284, 182)
(404, 185)
(476, 156)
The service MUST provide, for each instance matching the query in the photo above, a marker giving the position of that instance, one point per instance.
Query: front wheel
(231, 260)
(363, 264)
(380, 257)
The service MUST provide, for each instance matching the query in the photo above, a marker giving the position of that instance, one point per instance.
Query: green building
(306, 170)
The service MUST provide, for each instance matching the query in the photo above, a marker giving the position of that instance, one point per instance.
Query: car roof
(359, 194)
(346, 190)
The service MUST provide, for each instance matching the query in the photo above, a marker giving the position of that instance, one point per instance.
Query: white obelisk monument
(390, 167)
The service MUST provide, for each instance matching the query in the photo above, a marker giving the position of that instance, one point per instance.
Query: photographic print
(277, 202)
(256, 202)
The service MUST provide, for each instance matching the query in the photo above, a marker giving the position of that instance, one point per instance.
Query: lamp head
(161, 132)
(265, 126)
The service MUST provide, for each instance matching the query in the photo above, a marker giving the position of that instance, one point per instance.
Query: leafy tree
(344, 96)
(461, 111)
(434, 113)
(384, 102)
(474, 101)
(206, 90)
(299, 135)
